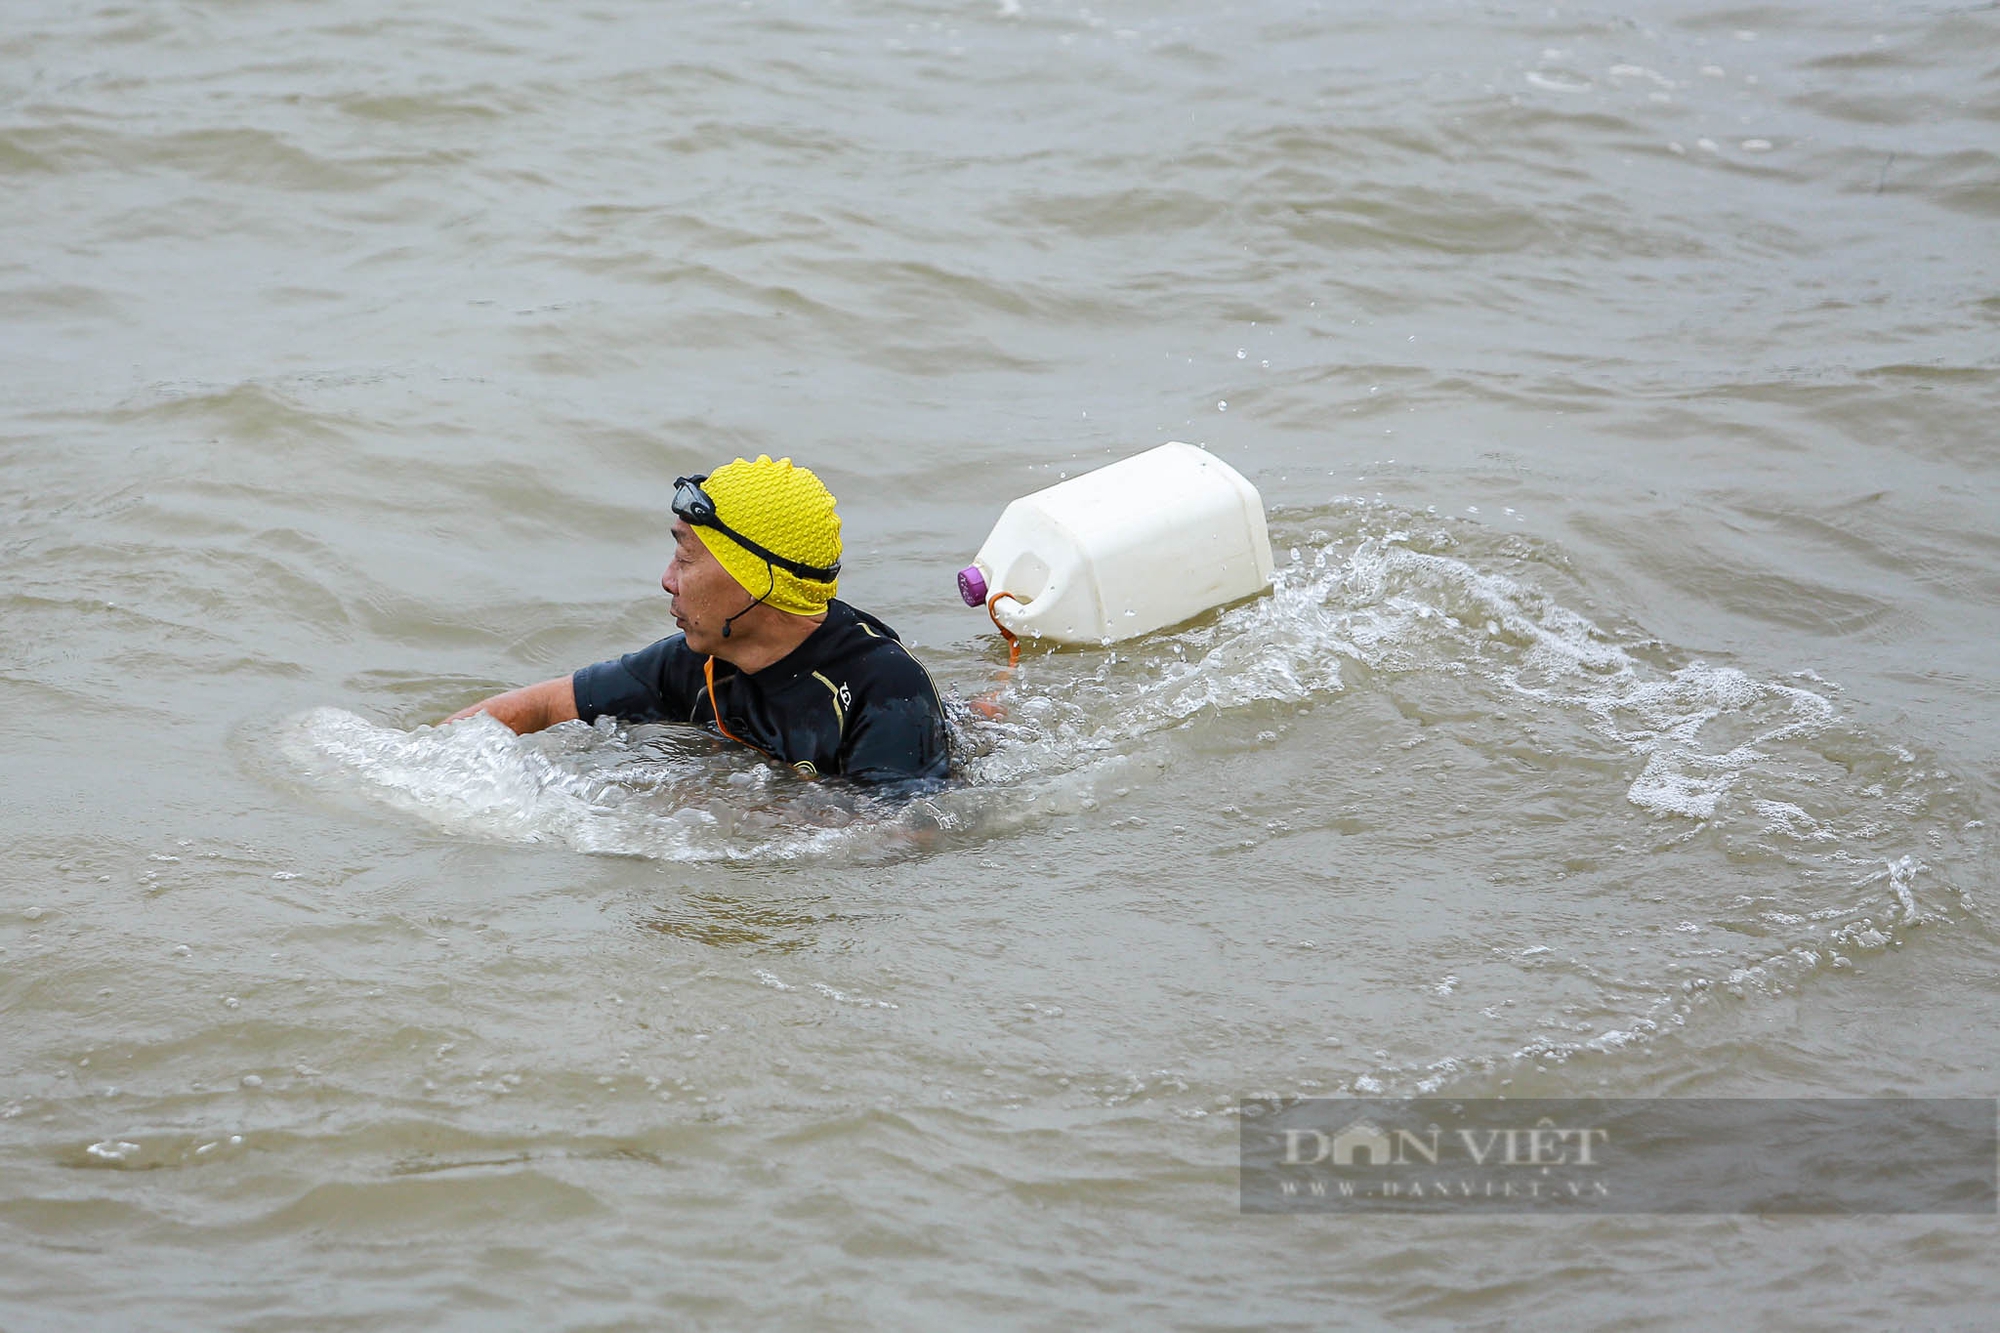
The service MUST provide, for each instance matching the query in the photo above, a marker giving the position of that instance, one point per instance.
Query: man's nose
(667, 582)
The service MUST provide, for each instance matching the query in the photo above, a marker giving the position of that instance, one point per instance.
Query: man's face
(704, 594)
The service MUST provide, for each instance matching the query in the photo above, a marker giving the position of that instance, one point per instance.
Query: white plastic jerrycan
(1141, 544)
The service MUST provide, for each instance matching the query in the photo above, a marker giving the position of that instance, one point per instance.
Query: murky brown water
(1623, 721)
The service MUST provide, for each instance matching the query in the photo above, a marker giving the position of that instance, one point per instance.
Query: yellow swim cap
(785, 509)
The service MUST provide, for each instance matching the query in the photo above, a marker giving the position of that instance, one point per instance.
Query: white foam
(595, 789)
(1391, 608)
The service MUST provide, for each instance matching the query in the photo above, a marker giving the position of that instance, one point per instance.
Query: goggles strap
(700, 511)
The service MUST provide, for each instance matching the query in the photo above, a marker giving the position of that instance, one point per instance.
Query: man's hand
(530, 708)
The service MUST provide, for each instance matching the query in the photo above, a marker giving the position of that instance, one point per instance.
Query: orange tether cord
(1013, 642)
(988, 705)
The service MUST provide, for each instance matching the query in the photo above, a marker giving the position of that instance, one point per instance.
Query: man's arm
(530, 708)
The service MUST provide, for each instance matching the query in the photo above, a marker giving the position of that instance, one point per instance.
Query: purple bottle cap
(972, 586)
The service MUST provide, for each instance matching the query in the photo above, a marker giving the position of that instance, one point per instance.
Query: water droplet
(1222, 405)
(1241, 353)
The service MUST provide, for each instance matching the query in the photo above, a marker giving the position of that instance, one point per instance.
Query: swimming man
(766, 656)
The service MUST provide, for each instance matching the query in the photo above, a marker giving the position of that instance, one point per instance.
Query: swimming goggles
(692, 504)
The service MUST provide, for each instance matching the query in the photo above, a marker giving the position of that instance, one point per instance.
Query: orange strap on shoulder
(715, 706)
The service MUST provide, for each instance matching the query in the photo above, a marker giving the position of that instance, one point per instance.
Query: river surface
(1621, 384)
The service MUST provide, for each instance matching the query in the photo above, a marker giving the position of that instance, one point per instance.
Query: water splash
(1374, 595)
(645, 791)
